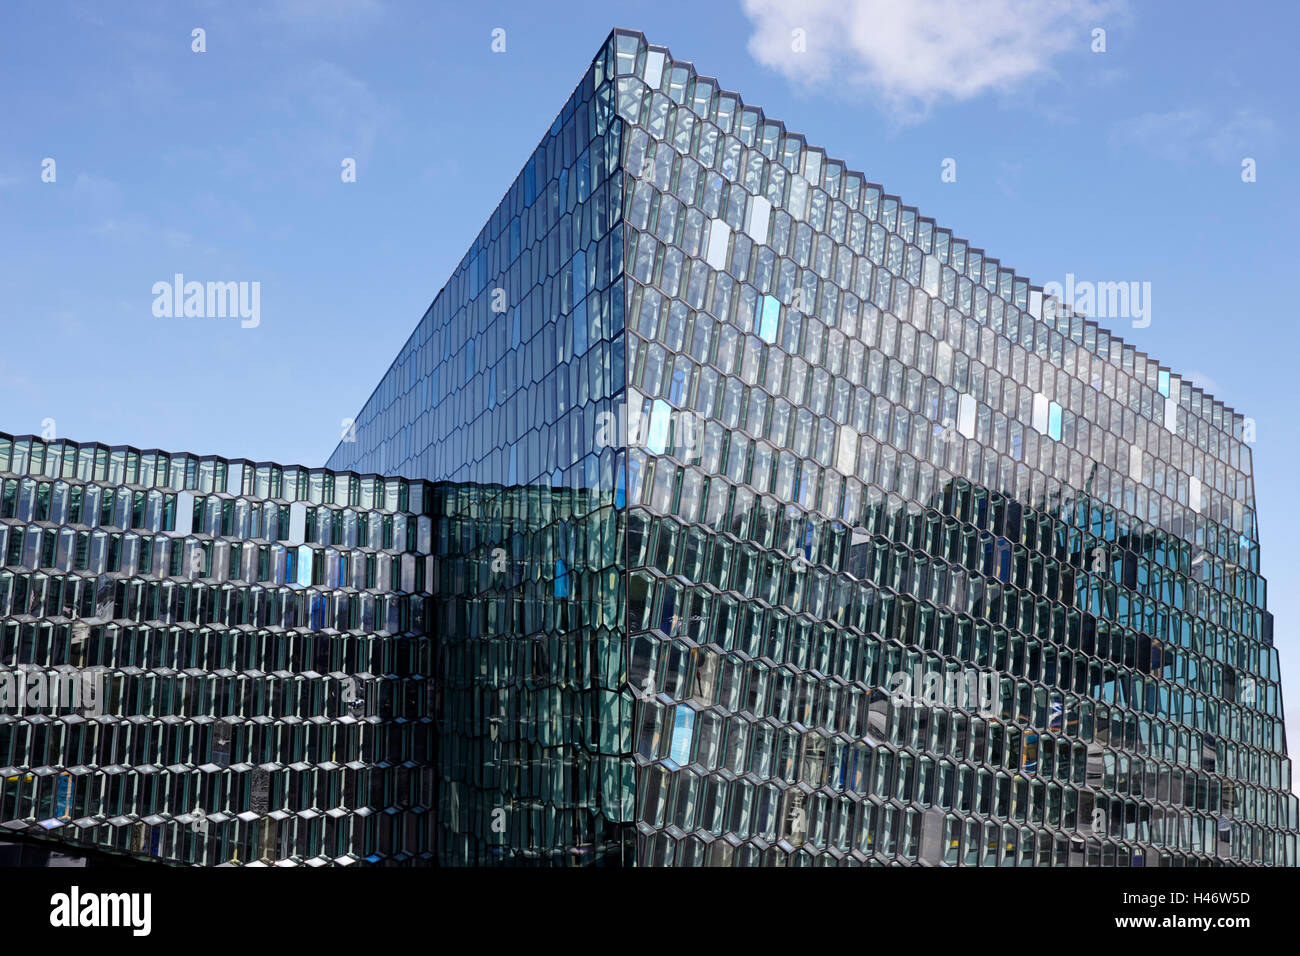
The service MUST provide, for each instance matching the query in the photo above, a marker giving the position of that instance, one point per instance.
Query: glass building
(209, 661)
(751, 518)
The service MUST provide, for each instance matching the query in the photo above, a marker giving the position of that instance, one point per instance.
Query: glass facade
(503, 391)
(534, 730)
(243, 654)
(935, 571)
(738, 515)
(505, 376)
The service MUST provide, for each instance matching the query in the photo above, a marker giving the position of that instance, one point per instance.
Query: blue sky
(1123, 165)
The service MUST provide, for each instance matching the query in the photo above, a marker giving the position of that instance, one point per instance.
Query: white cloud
(328, 114)
(917, 53)
(1180, 135)
(349, 117)
(140, 230)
